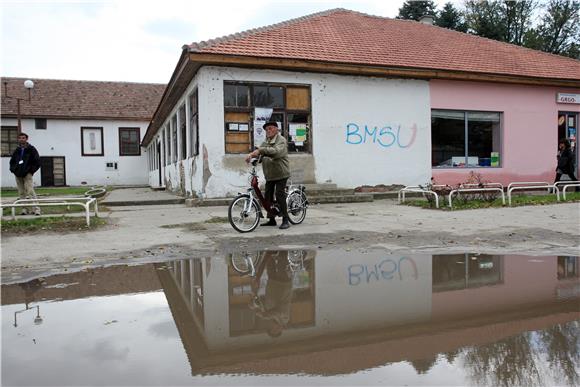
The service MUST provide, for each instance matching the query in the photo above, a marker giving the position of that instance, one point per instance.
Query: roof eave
(369, 70)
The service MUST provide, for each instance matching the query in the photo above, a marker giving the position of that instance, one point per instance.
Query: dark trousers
(279, 186)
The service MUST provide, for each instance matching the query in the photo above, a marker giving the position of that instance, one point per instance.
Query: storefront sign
(568, 98)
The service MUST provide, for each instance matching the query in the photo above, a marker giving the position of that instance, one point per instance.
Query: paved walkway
(140, 196)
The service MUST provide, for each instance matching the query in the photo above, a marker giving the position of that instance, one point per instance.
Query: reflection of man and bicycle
(271, 291)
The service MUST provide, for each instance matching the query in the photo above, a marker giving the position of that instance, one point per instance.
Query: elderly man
(274, 152)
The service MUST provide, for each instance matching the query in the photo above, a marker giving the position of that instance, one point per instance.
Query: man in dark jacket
(24, 162)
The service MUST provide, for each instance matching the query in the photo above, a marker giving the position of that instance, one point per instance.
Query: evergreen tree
(484, 18)
(413, 10)
(451, 18)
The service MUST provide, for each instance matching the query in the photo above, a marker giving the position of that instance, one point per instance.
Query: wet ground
(332, 316)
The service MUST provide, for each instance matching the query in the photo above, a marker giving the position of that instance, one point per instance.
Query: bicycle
(245, 210)
(245, 263)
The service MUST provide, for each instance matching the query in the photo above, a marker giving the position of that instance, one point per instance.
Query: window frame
(276, 110)
(99, 128)
(466, 140)
(129, 129)
(39, 120)
(182, 129)
(193, 122)
(2, 139)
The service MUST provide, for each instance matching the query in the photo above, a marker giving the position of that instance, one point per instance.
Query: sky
(135, 40)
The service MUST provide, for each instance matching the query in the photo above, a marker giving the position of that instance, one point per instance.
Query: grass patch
(49, 224)
(49, 191)
(517, 200)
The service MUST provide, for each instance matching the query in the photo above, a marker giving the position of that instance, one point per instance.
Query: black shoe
(284, 224)
(271, 222)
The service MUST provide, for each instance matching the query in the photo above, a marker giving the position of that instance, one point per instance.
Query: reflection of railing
(37, 320)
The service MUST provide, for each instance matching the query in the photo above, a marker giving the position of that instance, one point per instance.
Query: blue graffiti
(384, 137)
(384, 270)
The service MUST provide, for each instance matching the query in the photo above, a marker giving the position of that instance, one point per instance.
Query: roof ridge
(82, 80)
(197, 46)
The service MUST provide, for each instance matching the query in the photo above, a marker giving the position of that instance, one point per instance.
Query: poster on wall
(297, 133)
(261, 116)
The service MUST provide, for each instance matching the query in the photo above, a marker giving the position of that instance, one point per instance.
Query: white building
(356, 97)
(86, 132)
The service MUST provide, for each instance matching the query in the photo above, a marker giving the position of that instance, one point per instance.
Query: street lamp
(29, 85)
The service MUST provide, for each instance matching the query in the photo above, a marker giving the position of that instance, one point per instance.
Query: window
(174, 149)
(167, 146)
(193, 124)
(183, 132)
(290, 106)
(129, 139)
(465, 139)
(40, 123)
(9, 136)
(92, 141)
(463, 271)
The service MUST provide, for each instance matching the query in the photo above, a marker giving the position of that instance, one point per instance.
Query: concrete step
(313, 186)
(329, 192)
(312, 199)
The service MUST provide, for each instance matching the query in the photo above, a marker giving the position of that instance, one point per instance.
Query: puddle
(299, 317)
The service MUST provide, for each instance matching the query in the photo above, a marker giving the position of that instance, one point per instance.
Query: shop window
(40, 123)
(290, 107)
(464, 271)
(193, 124)
(465, 139)
(9, 136)
(129, 142)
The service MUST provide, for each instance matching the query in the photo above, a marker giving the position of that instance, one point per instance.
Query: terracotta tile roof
(343, 36)
(83, 99)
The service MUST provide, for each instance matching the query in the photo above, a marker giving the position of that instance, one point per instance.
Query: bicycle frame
(261, 200)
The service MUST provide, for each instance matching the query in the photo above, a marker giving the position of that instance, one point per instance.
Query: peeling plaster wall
(62, 138)
(364, 131)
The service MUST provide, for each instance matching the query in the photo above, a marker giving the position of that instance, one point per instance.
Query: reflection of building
(367, 310)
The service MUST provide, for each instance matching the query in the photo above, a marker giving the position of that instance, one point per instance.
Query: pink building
(522, 123)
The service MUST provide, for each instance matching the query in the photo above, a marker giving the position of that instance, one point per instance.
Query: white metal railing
(480, 189)
(419, 189)
(531, 185)
(481, 185)
(566, 184)
(82, 201)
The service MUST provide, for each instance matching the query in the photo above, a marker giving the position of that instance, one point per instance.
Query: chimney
(427, 19)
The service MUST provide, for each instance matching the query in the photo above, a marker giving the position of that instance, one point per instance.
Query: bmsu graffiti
(385, 270)
(384, 137)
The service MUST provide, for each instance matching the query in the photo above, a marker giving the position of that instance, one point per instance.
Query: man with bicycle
(274, 152)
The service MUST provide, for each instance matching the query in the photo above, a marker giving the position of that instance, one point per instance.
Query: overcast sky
(134, 40)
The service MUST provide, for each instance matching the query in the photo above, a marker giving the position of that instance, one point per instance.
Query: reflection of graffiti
(385, 270)
(385, 137)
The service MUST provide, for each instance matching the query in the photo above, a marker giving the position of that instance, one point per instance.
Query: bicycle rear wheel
(297, 206)
(243, 214)
(243, 262)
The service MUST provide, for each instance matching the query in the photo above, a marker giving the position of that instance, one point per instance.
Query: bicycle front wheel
(296, 207)
(243, 214)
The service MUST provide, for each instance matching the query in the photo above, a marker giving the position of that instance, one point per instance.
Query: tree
(413, 10)
(451, 18)
(517, 16)
(559, 29)
(484, 18)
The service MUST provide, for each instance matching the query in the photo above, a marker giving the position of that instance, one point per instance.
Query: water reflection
(496, 320)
